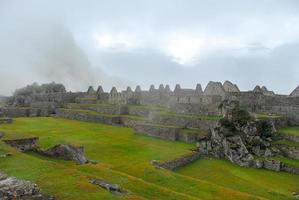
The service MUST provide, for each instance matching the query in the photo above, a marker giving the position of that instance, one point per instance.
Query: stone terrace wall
(25, 144)
(278, 104)
(83, 116)
(167, 133)
(25, 112)
(186, 122)
(54, 99)
(179, 162)
(6, 121)
(164, 132)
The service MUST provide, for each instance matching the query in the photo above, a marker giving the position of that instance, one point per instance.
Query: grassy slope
(290, 130)
(265, 183)
(267, 116)
(287, 143)
(124, 159)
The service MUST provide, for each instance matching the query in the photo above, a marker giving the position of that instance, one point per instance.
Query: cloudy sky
(120, 43)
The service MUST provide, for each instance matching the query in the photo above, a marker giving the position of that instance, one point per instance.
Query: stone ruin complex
(178, 115)
(44, 99)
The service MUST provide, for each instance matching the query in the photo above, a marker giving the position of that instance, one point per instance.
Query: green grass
(195, 130)
(267, 116)
(197, 116)
(92, 112)
(287, 143)
(124, 158)
(264, 183)
(4, 118)
(288, 161)
(291, 130)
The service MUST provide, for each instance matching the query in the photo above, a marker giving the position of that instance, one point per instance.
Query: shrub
(240, 116)
(224, 122)
(264, 128)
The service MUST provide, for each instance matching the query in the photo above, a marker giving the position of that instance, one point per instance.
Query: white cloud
(115, 41)
(155, 41)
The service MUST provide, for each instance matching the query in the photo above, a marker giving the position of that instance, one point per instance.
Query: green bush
(227, 124)
(240, 116)
(264, 128)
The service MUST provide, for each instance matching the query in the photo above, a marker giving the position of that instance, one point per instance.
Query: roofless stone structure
(100, 90)
(295, 92)
(214, 88)
(230, 87)
(91, 90)
(180, 100)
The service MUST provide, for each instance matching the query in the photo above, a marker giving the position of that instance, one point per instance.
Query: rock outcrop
(112, 188)
(13, 188)
(230, 87)
(241, 139)
(66, 152)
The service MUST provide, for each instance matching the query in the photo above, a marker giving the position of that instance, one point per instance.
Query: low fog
(121, 43)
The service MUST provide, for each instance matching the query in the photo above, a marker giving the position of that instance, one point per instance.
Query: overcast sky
(129, 42)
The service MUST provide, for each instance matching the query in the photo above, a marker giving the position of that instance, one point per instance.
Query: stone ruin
(230, 87)
(246, 142)
(214, 88)
(6, 120)
(66, 152)
(263, 90)
(13, 188)
(112, 188)
(24, 144)
(295, 93)
(43, 100)
(60, 151)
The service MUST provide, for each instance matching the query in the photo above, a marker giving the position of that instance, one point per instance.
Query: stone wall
(24, 144)
(276, 165)
(288, 151)
(294, 138)
(85, 116)
(163, 132)
(181, 121)
(25, 112)
(179, 162)
(6, 120)
(167, 132)
(276, 104)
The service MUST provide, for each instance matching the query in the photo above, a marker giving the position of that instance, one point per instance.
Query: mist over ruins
(149, 99)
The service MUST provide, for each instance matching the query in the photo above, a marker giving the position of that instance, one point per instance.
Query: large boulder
(66, 152)
(13, 188)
